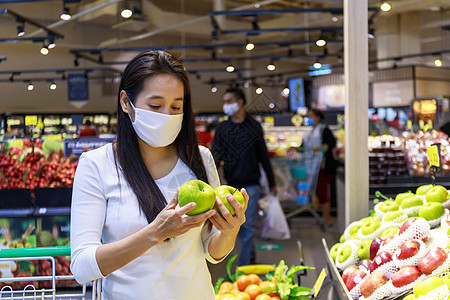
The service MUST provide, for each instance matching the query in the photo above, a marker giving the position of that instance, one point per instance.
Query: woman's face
(314, 117)
(162, 93)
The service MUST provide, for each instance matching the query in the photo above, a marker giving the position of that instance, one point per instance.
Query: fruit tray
(340, 289)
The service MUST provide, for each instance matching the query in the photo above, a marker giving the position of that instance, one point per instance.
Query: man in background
(240, 147)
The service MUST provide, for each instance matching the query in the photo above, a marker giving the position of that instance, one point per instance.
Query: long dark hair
(126, 150)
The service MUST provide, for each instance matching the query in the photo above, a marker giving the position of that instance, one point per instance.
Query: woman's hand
(227, 224)
(172, 222)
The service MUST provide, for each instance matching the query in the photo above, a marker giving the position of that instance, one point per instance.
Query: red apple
(348, 271)
(364, 265)
(387, 240)
(371, 283)
(405, 276)
(432, 260)
(374, 246)
(406, 225)
(354, 278)
(380, 259)
(408, 249)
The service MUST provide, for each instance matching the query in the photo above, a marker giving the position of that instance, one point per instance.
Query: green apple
(333, 251)
(411, 201)
(429, 284)
(353, 237)
(409, 297)
(370, 227)
(431, 211)
(364, 249)
(391, 231)
(199, 192)
(395, 215)
(222, 192)
(401, 196)
(422, 190)
(437, 193)
(342, 238)
(344, 254)
(388, 205)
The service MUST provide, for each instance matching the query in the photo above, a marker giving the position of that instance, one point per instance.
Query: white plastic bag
(274, 225)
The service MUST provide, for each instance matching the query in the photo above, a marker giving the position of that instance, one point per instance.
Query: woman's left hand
(226, 223)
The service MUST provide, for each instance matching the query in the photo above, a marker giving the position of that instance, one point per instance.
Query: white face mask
(156, 129)
(231, 109)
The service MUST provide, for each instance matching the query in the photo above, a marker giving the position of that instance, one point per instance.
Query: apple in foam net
(391, 231)
(380, 259)
(434, 258)
(348, 271)
(405, 276)
(333, 251)
(406, 225)
(388, 205)
(355, 278)
(422, 288)
(422, 190)
(411, 201)
(393, 215)
(374, 246)
(431, 211)
(437, 193)
(222, 192)
(408, 249)
(344, 254)
(370, 227)
(199, 192)
(364, 265)
(401, 196)
(371, 283)
(364, 249)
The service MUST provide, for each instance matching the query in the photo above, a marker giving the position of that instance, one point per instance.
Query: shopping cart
(301, 169)
(36, 289)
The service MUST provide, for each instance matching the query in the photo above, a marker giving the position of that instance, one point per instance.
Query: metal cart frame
(30, 291)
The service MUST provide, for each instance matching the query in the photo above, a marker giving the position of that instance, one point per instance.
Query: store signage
(78, 89)
(78, 146)
(390, 94)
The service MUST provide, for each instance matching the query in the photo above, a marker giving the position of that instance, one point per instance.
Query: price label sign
(319, 282)
(297, 120)
(30, 120)
(409, 124)
(421, 124)
(434, 157)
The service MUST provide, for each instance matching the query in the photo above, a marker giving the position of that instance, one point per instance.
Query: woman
(126, 225)
(321, 137)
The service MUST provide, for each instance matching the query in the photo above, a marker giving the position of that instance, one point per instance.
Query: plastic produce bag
(274, 225)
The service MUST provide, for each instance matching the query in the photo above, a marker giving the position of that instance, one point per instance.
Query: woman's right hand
(172, 222)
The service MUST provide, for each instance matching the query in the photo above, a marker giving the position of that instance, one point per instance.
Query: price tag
(433, 156)
(319, 282)
(409, 124)
(425, 128)
(430, 124)
(30, 120)
(421, 124)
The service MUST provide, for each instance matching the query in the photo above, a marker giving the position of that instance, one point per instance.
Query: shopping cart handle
(35, 252)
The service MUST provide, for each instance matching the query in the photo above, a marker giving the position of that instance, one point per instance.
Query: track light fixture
(249, 45)
(438, 62)
(65, 14)
(321, 42)
(317, 65)
(44, 50)
(51, 42)
(126, 12)
(271, 66)
(30, 86)
(21, 29)
(76, 63)
(286, 91)
(259, 90)
(11, 78)
(385, 6)
(230, 68)
(53, 86)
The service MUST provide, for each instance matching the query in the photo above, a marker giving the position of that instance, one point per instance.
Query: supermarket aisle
(303, 228)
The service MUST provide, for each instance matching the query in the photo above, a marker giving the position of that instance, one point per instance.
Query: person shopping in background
(88, 129)
(239, 145)
(126, 224)
(321, 137)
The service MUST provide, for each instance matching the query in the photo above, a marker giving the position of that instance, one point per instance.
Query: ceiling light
(250, 46)
(321, 42)
(30, 86)
(438, 62)
(126, 13)
(21, 29)
(385, 6)
(257, 5)
(44, 50)
(334, 19)
(65, 15)
(246, 84)
(53, 86)
(213, 89)
(271, 66)
(271, 105)
(259, 91)
(317, 65)
(51, 43)
(286, 91)
(230, 68)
